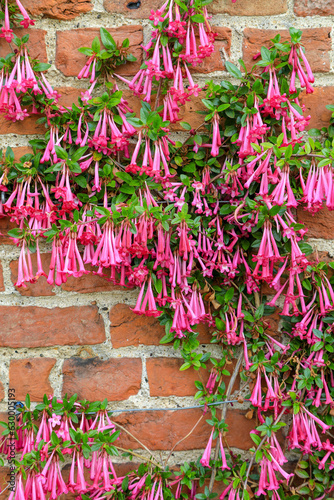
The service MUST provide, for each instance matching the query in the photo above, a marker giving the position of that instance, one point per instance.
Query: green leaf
(197, 18)
(255, 438)
(185, 125)
(107, 39)
(324, 162)
(77, 155)
(86, 50)
(166, 339)
(259, 312)
(233, 70)
(229, 294)
(15, 233)
(96, 45)
(265, 54)
(302, 473)
(81, 181)
(185, 366)
(275, 210)
(41, 67)
(208, 104)
(124, 176)
(61, 153)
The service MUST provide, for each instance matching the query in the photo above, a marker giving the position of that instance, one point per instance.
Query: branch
(185, 437)
(139, 456)
(133, 437)
(224, 411)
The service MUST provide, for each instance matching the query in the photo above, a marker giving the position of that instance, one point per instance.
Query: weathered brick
(69, 61)
(95, 380)
(21, 151)
(55, 9)
(315, 104)
(36, 43)
(215, 62)
(41, 327)
(31, 376)
(39, 289)
(317, 43)
(161, 430)
(318, 225)
(69, 95)
(188, 112)
(249, 7)
(87, 283)
(166, 379)
(313, 8)
(142, 9)
(4, 478)
(5, 226)
(28, 126)
(136, 9)
(128, 328)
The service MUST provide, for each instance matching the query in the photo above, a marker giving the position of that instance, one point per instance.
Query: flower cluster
(206, 229)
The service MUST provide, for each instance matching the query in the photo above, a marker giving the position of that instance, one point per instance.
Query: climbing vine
(203, 223)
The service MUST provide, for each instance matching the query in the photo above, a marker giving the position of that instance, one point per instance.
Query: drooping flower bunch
(206, 229)
(13, 15)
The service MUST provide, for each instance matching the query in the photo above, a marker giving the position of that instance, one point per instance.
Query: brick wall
(82, 337)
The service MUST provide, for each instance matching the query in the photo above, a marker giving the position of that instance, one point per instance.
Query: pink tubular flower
(205, 460)
(146, 305)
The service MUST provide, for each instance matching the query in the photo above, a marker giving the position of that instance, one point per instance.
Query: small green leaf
(233, 70)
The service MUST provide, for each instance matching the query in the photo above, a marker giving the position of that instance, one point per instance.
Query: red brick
(31, 376)
(41, 327)
(215, 61)
(166, 379)
(5, 226)
(39, 289)
(89, 283)
(95, 380)
(161, 430)
(128, 328)
(249, 7)
(314, 8)
(69, 61)
(69, 95)
(318, 225)
(142, 11)
(316, 106)
(317, 43)
(4, 478)
(36, 43)
(28, 126)
(188, 112)
(66, 9)
(21, 151)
